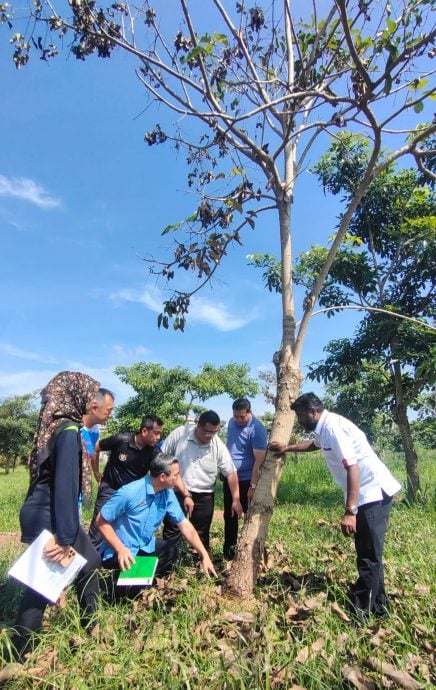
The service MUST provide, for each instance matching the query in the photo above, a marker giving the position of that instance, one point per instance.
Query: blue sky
(82, 198)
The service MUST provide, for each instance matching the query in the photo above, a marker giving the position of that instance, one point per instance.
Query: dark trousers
(104, 493)
(167, 554)
(368, 592)
(33, 605)
(201, 518)
(231, 520)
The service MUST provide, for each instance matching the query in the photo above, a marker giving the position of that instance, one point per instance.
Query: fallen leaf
(291, 612)
(239, 617)
(335, 608)
(11, 671)
(355, 676)
(422, 590)
(402, 678)
(378, 638)
(321, 523)
(112, 670)
(315, 602)
(310, 650)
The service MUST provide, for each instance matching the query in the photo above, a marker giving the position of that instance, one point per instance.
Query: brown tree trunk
(402, 420)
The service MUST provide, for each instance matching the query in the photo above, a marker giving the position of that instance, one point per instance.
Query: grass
(186, 634)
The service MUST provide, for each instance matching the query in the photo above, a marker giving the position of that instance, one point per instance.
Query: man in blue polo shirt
(136, 510)
(247, 440)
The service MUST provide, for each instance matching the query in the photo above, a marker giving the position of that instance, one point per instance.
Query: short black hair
(162, 464)
(306, 402)
(241, 404)
(149, 420)
(209, 417)
(102, 393)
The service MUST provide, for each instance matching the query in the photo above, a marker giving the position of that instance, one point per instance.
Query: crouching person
(136, 510)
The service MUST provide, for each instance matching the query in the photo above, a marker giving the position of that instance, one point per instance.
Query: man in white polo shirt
(202, 456)
(368, 489)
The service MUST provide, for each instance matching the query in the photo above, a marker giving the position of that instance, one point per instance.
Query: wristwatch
(253, 486)
(350, 510)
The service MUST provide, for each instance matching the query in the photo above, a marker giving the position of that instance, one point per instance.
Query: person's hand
(207, 566)
(348, 525)
(56, 552)
(237, 508)
(125, 558)
(189, 505)
(250, 494)
(277, 447)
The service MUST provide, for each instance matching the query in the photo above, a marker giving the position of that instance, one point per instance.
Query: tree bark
(245, 567)
(401, 418)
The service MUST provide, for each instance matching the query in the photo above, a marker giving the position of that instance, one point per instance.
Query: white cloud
(23, 382)
(124, 355)
(28, 190)
(216, 314)
(13, 351)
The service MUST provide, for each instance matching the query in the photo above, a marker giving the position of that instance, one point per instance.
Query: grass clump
(184, 634)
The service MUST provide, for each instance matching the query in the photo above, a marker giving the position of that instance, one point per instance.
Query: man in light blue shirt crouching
(136, 510)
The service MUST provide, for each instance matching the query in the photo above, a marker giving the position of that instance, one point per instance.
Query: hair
(306, 402)
(161, 464)
(209, 417)
(102, 393)
(149, 420)
(241, 404)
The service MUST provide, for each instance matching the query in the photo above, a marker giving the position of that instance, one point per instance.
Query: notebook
(140, 573)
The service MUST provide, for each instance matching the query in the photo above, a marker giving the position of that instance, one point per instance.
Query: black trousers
(104, 493)
(368, 592)
(167, 554)
(231, 520)
(201, 518)
(33, 605)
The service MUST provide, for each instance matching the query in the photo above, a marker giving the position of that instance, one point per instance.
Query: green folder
(140, 573)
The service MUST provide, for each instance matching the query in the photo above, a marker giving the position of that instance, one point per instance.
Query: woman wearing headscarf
(58, 478)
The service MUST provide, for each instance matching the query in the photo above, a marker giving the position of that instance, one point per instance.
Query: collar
(321, 422)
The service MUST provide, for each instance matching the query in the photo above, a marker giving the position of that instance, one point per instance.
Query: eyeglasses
(208, 433)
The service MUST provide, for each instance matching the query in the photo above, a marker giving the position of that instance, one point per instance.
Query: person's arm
(189, 532)
(233, 482)
(125, 557)
(95, 463)
(187, 498)
(304, 447)
(348, 522)
(259, 457)
(66, 487)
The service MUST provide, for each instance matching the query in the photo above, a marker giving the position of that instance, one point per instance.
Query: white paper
(43, 576)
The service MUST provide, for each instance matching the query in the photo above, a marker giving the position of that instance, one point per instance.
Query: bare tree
(254, 89)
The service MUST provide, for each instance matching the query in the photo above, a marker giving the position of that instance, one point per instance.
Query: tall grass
(186, 634)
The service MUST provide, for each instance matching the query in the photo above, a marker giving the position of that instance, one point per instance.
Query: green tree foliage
(18, 418)
(174, 393)
(386, 263)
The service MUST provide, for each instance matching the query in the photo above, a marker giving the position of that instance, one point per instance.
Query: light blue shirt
(135, 512)
(242, 441)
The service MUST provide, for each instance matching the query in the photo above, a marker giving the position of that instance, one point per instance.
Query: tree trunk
(402, 420)
(245, 567)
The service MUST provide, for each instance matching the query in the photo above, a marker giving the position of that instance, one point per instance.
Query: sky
(82, 200)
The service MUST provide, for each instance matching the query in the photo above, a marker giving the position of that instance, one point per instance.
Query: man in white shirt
(202, 456)
(368, 488)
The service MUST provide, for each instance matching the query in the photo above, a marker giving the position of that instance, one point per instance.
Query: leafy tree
(386, 263)
(173, 393)
(18, 418)
(262, 84)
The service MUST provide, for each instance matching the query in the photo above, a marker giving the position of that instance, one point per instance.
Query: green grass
(187, 635)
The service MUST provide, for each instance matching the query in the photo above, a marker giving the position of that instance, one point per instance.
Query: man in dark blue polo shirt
(129, 460)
